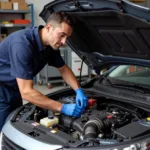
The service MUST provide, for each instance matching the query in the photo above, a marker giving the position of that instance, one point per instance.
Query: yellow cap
(148, 118)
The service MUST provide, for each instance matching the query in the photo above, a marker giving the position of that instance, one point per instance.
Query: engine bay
(104, 122)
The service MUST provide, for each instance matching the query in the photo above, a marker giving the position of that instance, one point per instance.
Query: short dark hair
(60, 17)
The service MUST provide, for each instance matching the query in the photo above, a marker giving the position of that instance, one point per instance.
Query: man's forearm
(40, 100)
(70, 78)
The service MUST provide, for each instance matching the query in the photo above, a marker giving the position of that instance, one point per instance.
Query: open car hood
(107, 32)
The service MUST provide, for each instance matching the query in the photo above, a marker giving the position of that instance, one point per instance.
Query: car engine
(113, 121)
(104, 122)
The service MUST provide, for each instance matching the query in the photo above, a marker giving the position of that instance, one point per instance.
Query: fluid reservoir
(91, 102)
(48, 122)
(146, 121)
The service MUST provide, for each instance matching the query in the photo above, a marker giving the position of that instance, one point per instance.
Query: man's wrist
(61, 110)
(60, 107)
(78, 89)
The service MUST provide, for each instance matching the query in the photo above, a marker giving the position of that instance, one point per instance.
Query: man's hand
(81, 99)
(72, 110)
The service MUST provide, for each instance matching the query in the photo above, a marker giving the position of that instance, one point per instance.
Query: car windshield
(134, 74)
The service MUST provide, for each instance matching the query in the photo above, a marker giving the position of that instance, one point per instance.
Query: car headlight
(143, 145)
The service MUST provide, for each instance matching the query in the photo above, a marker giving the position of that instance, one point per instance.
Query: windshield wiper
(129, 86)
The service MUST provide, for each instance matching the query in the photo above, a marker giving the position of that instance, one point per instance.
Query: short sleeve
(21, 61)
(55, 59)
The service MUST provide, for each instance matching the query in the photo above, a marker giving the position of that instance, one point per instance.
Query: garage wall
(38, 6)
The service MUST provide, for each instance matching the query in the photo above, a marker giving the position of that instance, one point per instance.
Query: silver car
(111, 37)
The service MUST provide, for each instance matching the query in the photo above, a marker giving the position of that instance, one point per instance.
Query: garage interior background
(36, 20)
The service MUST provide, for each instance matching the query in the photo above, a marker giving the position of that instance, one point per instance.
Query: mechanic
(23, 54)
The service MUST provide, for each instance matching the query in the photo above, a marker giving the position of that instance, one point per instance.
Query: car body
(110, 35)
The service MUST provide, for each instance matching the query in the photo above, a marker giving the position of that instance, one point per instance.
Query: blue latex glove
(81, 99)
(72, 110)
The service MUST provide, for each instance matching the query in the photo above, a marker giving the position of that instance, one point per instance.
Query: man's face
(57, 34)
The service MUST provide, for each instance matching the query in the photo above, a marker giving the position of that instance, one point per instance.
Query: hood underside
(107, 32)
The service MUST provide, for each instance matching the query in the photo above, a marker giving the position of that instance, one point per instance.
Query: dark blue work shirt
(22, 55)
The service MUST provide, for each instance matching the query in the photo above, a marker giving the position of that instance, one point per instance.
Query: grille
(9, 145)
